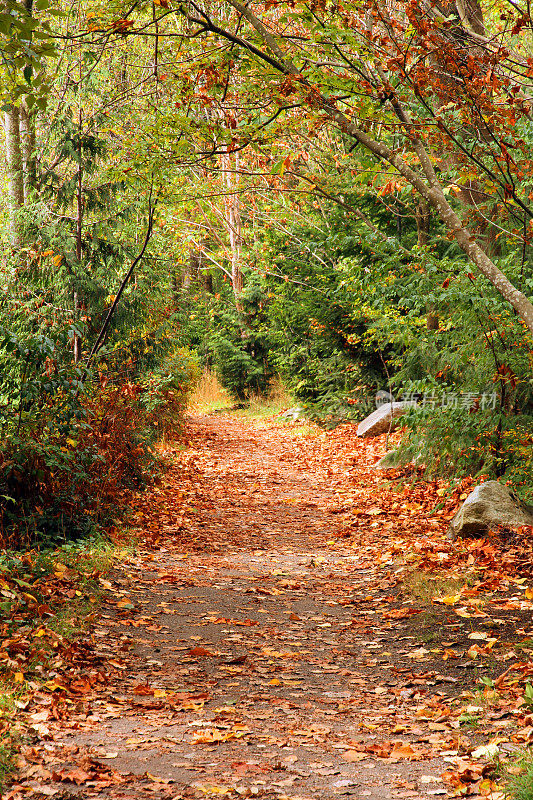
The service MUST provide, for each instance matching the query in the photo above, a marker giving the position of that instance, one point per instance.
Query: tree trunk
(79, 239)
(234, 225)
(422, 222)
(423, 219)
(14, 168)
(27, 143)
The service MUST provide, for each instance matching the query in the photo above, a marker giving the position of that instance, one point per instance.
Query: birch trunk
(27, 144)
(234, 225)
(14, 168)
(77, 344)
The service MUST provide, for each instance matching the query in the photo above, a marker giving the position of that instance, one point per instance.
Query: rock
(379, 421)
(293, 413)
(489, 505)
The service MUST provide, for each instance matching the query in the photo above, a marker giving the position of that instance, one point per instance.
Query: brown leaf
(77, 775)
(200, 652)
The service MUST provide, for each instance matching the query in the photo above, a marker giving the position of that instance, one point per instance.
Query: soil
(253, 649)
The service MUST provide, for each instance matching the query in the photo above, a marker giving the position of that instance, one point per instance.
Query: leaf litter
(268, 639)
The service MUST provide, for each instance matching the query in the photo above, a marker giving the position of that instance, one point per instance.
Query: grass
(518, 777)
(261, 408)
(425, 587)
(91, 560)
(209, 395)
(469, 721)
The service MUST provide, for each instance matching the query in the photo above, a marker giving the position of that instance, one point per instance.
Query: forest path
(243, 655)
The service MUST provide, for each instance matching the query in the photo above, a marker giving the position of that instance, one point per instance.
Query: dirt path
(246, 658)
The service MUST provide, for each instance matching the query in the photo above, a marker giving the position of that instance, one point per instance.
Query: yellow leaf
(214, 736)
(52, 686)
(275, 682)
(18, 677)
(449, 599)
(473, 651)
(160, 693)
(57, 260)
(529, 593)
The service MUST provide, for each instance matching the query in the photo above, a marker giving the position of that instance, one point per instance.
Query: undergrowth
(50, 598)
(208, 395)
(63, 480)
(518, 777)
(9, 735)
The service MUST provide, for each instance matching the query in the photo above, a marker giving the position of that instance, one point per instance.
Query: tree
(15, 175)
(26, 43)
(384, 78)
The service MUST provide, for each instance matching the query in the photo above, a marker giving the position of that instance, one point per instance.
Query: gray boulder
(293, 413)
(489, 505)
(383, 418)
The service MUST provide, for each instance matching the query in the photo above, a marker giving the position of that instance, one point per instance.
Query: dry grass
(422, 586)
(278, 399)
(208, 395)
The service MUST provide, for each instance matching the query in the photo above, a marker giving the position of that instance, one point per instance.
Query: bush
(71, 448)
(165, 392)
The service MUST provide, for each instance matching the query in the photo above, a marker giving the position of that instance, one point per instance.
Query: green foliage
(26, 40)
(73, 439)
(472, 378)
(235, 344)
(237, 368)
(319, 338)
(164, 392)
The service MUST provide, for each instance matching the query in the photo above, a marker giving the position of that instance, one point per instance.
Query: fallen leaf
(353, 756)
(200, 652)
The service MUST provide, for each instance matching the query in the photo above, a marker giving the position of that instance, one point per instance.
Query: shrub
(71, 448)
